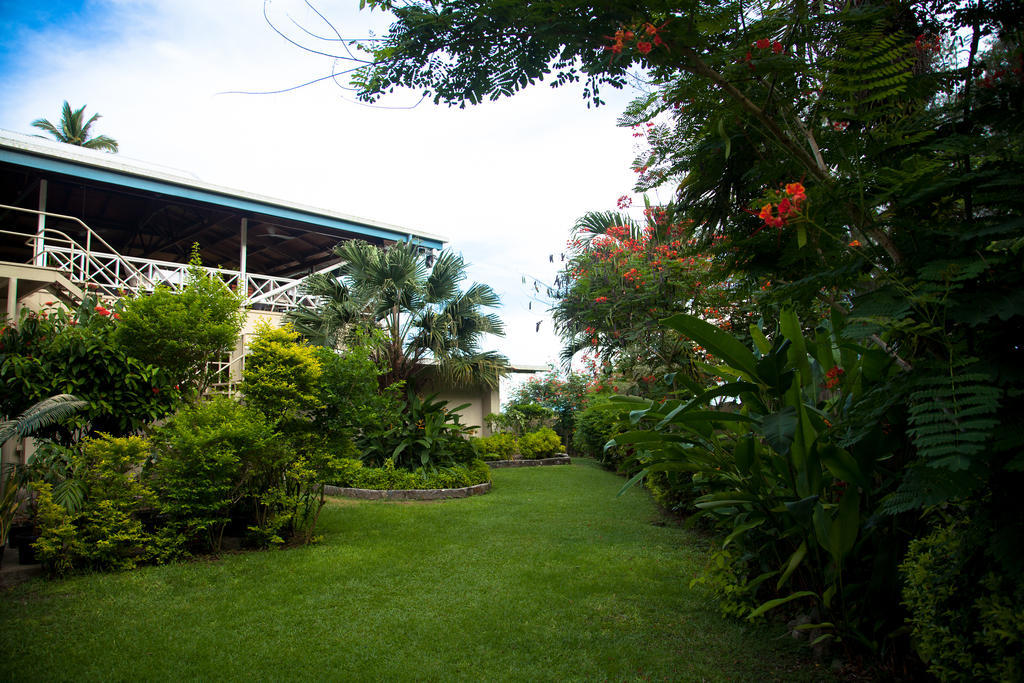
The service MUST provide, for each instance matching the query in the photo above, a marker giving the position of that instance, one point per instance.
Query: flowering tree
(622, 278)
(566, 396)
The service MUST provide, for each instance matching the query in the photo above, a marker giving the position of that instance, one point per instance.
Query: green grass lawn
(548, 577)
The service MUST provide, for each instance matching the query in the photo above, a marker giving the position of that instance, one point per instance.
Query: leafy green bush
(501, 446)
(673, 491)
(542, 443)
(520, 418)
(421, 433)
(204, 458)
(283, 380)
(595, 426)
(967, 610)
(108, 532)
(353, 474)
(350, 398)
(77, 352)
(184, 331)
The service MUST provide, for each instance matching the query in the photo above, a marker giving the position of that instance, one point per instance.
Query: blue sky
(503, 181)
(25, 22)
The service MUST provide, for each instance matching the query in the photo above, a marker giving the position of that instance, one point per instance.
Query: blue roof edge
(44, 163)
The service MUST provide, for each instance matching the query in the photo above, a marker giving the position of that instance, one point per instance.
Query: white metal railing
(112, 274)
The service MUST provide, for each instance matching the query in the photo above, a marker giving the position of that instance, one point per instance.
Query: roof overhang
(157, 212)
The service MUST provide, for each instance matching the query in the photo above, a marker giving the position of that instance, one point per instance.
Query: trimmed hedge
(352, 474)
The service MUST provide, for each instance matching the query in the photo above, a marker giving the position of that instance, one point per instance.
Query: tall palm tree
(430, 325)
(74, 132)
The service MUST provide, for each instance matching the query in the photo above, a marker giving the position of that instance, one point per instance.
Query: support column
(243, 279)
(40, 259)
(12, 301)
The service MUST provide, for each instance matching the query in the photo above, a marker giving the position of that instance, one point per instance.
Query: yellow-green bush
(542, 443)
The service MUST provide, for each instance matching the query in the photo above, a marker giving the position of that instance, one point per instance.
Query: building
(74, 218)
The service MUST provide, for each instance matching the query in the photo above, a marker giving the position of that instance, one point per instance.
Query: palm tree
(429, 325)
(73, 132)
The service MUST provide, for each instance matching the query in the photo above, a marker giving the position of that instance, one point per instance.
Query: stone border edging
(407, 494)
(557, 460)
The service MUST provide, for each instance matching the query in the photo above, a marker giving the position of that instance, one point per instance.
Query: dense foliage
(353, 474)
(564, 397)
(61, 351)
(184, 331)
(539, 443)
(859, 164)
(432, 328)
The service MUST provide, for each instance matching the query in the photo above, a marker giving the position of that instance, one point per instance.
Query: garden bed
(562, 459)
(408, 494)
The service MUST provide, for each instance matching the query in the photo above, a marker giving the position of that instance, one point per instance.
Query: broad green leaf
(744, 454)
(802, 509)
(790, 327)
(716, 341)
(740, 530)
(779, 428)
(644, 436)
(761, 341)
(842, 465)
(794, 561)
(772, 604)
(632, 482)
(847, 523)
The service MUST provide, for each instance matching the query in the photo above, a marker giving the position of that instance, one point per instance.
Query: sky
(502, 181)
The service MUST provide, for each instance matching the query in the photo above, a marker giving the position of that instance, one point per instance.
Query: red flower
(855, 243)
(777, 47)
(833, 377)
(116, 316)
(155, 390)
(763, 44)
(643, 47)
(600, 299)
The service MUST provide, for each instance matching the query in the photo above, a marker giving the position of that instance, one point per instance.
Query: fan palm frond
(49, 411)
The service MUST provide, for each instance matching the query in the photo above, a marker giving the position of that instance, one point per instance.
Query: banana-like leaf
(760, 341)
(779, 429)
(794, 561)
(843, 466)
(772, 604)
(721, 344)
(632, 482)
(740, 530)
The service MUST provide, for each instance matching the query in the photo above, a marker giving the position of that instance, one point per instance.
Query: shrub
(500, 446)
(353, 474)
(349, 394)
(184, 331)
(77, 352)
(108, 532)
(967, 611)
(422, 433)
(595, 426)
(542, 443)
(673, 491)
(283, 380)
(204, 458)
